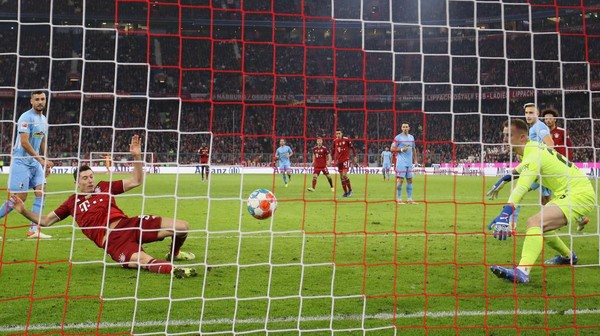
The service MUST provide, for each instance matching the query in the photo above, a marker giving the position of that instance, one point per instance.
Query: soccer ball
(262, 203)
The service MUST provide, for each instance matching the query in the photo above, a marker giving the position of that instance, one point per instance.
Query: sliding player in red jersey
(95, 211)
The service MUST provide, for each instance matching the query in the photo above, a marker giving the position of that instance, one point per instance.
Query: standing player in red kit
(96, 212)
(341, 153)
(562, 141)
(204, 152)
(321, 159)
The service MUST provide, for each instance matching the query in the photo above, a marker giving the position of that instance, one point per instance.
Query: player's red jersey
(341, 149)
(562, 141)
(95, 211)
(204, 153)
(320, 153)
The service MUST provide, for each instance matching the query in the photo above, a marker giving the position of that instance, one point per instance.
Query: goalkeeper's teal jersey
(553, 170)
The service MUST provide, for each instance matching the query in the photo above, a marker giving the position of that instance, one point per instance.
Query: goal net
(240, 78)
(120, 161)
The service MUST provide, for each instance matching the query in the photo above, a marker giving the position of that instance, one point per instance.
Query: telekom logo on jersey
(84, 206)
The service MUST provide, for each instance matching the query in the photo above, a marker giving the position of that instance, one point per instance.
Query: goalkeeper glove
(501, 225)
(492, 194)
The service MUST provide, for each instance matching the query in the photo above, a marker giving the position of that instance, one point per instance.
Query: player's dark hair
(519, 125)
(552, 111)
(37, 92)
(77, 171)
(339, 130)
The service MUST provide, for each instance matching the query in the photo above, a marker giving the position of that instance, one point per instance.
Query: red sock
(178, 240)
(344, 185)
(314, 182)
(348, 184)
(159, 266)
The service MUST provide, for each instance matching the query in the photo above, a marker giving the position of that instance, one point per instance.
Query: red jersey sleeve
(334, 151)
(116, 187)
(65, 209)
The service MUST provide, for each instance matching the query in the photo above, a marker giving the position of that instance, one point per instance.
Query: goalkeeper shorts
(576, 204)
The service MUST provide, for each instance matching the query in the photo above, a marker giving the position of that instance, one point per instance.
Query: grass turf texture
(365, 261)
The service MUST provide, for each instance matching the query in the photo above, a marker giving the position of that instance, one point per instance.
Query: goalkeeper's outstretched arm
(43, 220)
(495, 189)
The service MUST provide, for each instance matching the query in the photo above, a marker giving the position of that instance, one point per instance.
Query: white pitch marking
(382, 316)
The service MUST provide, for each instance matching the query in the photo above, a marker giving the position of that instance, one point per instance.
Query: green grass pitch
(324, 265)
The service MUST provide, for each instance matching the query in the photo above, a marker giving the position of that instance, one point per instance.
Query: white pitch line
(382, 316)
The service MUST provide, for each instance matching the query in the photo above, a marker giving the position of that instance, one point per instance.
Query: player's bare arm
(24, 138)
(548, 140)
(43, 220)
(397, 149)
(415, 156)
(44, 151)
(137, 175)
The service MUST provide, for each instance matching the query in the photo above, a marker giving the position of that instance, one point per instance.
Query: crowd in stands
(454, 85)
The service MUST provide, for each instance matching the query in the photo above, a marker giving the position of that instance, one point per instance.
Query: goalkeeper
(574, 198)
(495, 189)
(95, 210)
(539, 132)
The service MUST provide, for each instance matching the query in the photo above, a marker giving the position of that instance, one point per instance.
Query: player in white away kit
(404, 147)
(283, 154)
(386, 163)
(29, 167)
